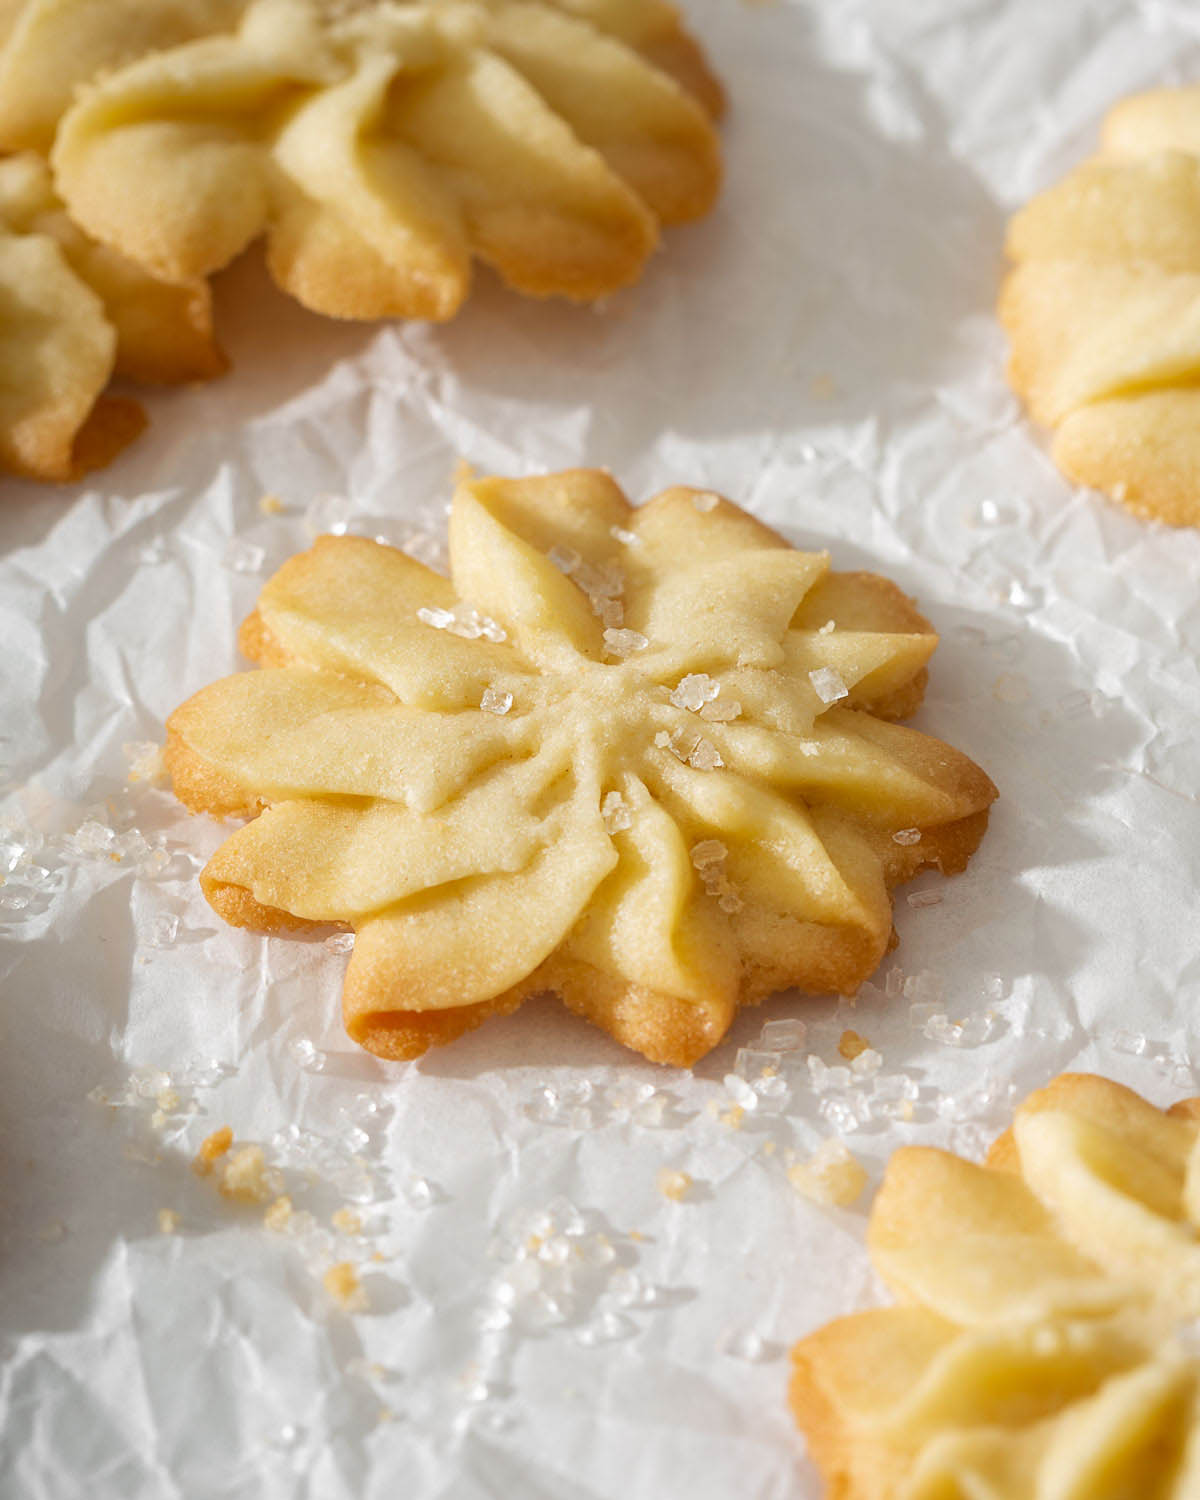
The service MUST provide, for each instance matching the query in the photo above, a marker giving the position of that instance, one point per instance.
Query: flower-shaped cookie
(72, 314)
(638, 757)
(1045, 1346)
(1103, 309)
(379, 144)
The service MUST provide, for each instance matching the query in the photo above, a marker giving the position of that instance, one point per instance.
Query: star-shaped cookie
(380, 145)
(639, 757)
(1044, 1344)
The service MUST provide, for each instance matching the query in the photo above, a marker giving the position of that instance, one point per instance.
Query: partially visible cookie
(73, 314)
(1044, 1346)
(380, 145)
(639, 757)
(1103, 309)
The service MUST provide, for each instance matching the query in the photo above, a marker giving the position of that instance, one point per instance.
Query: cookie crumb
(342, 1283)
(168, 1221)
(278, 1215)
(247, 1178)
(271, 505)
(831, 1176)
(346, 1221)
(852, 1045)
(674, 1185)
(212, 1148)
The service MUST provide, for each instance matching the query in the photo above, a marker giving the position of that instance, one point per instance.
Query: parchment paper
(821, 349)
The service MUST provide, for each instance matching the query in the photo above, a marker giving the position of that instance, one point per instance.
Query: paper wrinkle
(821, 349)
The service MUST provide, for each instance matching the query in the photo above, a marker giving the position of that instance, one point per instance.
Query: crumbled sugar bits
(831, 1176)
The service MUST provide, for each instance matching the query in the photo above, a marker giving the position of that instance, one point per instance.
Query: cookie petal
(326, 862)
(650, 925)
(371, 233)
(291, 732)
(57, 351)
(412, 960)
(541, 207)
(163, 163)
(547, 615)
(646, 127)
(350, 605)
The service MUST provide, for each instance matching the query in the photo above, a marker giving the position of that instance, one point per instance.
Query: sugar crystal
(828, 684)
(605, 1328)
(918, 899)
(708, 852)
(745, 1345)
(565, 559)
(244, 557)
(694, 691)
(784, 1036)
(164, 931)
(624, 643)
(495, 701)
(626, 538)
(906, 836)
(722, 711)
(740, 1092)
(340, 942)
(616, 813)
(307, 1055)
(705, 756)
(705, 501)
(867, 1063)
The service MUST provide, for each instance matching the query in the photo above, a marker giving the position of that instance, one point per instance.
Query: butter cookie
(639, 757)
(379, 145)
(72, 314)
(1044, 1345)
(1103, 310)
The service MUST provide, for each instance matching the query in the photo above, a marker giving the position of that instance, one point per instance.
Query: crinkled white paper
(544, 1322)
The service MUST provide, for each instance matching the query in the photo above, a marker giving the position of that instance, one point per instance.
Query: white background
(822, 350)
